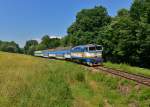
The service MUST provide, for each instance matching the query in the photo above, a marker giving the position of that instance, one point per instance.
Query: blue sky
(21, 20)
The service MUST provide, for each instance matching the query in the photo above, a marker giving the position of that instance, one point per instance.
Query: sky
(22, 20)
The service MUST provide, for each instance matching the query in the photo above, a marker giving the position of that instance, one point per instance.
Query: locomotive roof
(58, 49)
(88, 45)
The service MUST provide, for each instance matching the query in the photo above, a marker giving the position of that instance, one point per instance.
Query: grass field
(125, 67)
(27, 81)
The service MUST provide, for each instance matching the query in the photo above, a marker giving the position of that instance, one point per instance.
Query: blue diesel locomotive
(90, 54)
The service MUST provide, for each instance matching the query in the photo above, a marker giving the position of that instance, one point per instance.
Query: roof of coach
(59, 49)
(88, 45)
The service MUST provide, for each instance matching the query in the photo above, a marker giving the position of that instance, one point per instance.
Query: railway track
(135, 77)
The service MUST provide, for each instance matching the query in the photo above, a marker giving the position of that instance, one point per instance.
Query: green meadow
(27, 81)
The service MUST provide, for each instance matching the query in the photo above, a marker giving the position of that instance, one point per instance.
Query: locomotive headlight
(99, 55)
(87, 54)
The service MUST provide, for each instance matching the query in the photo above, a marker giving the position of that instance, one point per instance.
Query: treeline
(125, 37)
(31, 45)
(10, 47)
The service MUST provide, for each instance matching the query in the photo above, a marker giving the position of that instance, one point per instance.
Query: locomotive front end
(93, 54)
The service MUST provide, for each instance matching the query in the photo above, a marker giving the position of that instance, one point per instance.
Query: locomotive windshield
(99, 48)
(95, 48)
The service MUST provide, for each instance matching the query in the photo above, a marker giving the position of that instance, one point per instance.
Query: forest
(125, 37)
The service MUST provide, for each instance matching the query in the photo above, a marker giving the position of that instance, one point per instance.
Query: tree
(88, 21)
(46, 41)
(65, 41)
(143, 34)
(31, 50)
(30, 43)
(55, 42)
(41, 47)
(140, 10)
(123, 13)
(50, 42)
(92, 19)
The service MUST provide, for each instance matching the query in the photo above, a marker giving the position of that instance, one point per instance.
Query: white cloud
(56, 37)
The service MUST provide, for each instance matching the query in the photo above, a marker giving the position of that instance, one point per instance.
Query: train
(90, 54)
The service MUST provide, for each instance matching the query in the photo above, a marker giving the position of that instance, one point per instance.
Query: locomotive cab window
(77, 49)
(99, 48)
(93, 48)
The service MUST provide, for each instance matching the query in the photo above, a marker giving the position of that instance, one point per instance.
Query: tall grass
(31, 82)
